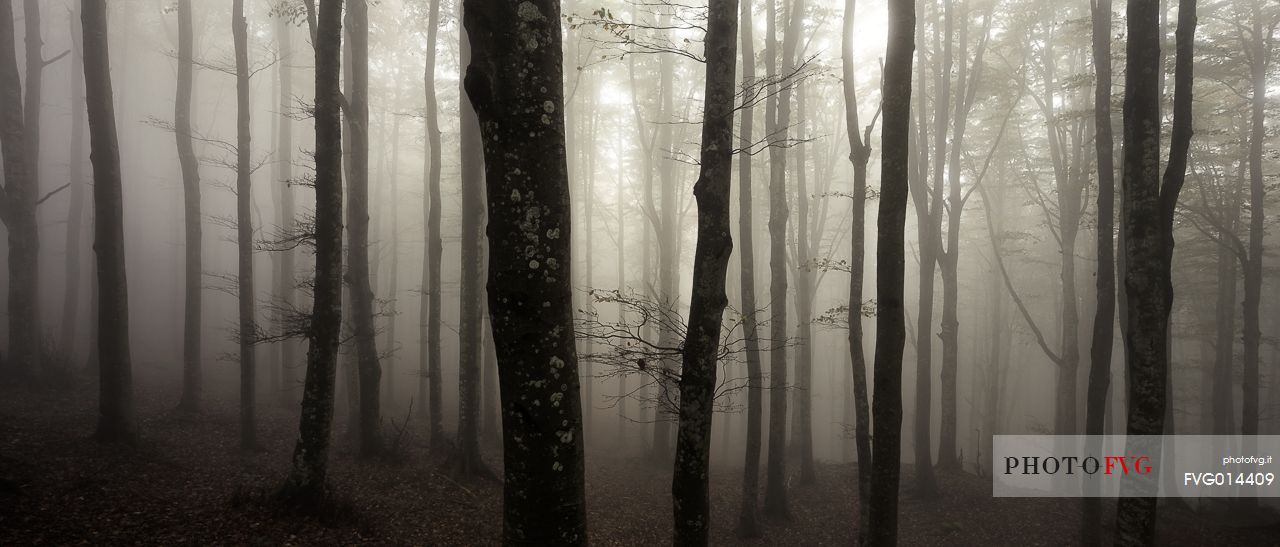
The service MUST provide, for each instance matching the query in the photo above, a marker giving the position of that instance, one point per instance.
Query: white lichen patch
(529, 12)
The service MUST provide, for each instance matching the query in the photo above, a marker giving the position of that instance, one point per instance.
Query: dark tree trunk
(287, 269)
(18, 209)
(1104, 314)
(1260, 46)
(75, 211)
(358, 282)
(860, 156)
(1148, 247)
(890, 269)
(244, 231)
(748, 525)
(689, 487)
(668, 254)
(777, 120)
(193, 282)
(466, 457)
(115, 406)
(514, 81)
(429, 339)
(306, 482)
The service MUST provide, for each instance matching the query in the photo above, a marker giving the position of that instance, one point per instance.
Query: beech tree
(514, 82)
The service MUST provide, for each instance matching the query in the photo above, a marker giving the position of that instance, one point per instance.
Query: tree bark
(1259, 57)
(115, 406)
(190, 165)
(244, 231)
(689, 486)
(287, 268)
(514, 81)
(890, 269)
(75, 212)
(1148, 247)
(306, 483)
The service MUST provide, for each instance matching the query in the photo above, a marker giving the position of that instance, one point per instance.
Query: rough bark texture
(748, 524)
(890, 266)
(514, 82)
(860, 156)
(244, 231)
(1104, 314)
(190, 164)
(18, 209)
(1260, 47)
(359, 285)
(306, 482)
(429, 339)
(115, 406)
(1149, 207)
(689, 487)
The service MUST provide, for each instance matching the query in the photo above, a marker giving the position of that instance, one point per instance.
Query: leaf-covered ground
(187, 482)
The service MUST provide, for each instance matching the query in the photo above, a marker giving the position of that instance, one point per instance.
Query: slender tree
(429, 339)
(748, 525)
(75, 211)
(1104, 314)
(689, 488)
(890, 270)
(1149, 205)
(115, 405)
(305, 485)
(286, 269)
(860, 156)
(514, 81)
(190, 165)
(18, 208)
(244, 231)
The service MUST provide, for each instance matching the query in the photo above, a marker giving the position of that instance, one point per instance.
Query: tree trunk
(805, 278)
(748, 525)
(860, 156)
(777, 120)
(1259, 56)
(890, 269)
(193, 278)
(285, 283)
(466, 458)
(689, 486)
(244, 231)
(668, 255)
(115, 406)
(429, 376)
(1148, 247)
(306, 482)
(75, 212)
(18, 210)
(359, 285)
(1104, 314)
(515, 87)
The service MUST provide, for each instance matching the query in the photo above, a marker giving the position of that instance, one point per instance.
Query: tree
(18, 208)
(747, 523)
(689, 488)
(514, 81)
(75, 210)
(860, 156)
(429, 339)
(359, 286)
(1148, 228)
(1104, 315)
(777, 119)
(466, 458)
(890, 270)
(190, 164)
(244, 231)
(115, 405)
(285, 268)
(305, 485)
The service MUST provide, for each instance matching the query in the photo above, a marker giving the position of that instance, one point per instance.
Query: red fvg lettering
(1139, 464)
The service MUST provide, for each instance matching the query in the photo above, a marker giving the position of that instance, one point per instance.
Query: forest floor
(187, 482)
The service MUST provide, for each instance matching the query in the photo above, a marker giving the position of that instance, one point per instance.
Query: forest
(624, 272)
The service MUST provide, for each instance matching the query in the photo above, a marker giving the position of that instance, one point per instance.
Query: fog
(1002, 246)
